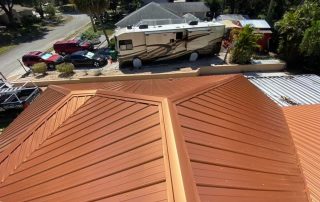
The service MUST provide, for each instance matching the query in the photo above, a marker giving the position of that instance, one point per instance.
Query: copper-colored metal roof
(305, 129)
(29, 116)
(154, 87)
(214, 138)
(239, 146)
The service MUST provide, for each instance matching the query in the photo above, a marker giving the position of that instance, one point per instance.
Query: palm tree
(245, 44)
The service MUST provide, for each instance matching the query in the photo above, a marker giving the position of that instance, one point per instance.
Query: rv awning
(229, 24)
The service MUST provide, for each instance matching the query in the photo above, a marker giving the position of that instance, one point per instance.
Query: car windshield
(89, 55)
(81, 43)
(46, 56)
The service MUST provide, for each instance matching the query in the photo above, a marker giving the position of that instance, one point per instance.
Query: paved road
(9, 65)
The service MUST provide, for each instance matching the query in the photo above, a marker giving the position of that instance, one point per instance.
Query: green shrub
(40, 68)
(66, 68)
(89, 35)
(69, 8)
(245, 45)
(112, 44)
(50, 10)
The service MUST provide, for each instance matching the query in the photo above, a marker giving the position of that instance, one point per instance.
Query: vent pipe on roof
(193, 23)
(143, 27)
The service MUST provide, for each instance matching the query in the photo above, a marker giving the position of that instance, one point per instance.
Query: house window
(125, 45)
(179, 35)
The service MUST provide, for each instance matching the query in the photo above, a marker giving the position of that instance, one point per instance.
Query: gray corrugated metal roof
(186, 7)
(233, 17)
(291, 89)
(149, 11)
(259, 24)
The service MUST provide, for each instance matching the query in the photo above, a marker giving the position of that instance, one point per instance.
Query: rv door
(159, 44)
(198, 39)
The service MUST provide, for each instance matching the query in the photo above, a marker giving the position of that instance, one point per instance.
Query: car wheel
(96, 64)
(51, 66)
(137, 63)
(193, 57)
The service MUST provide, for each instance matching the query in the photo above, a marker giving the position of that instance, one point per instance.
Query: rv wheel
(137, 63)
(193, 57)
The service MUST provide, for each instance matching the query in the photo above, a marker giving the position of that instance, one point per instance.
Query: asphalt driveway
(9, 65)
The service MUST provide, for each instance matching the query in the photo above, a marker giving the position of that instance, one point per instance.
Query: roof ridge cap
(184, 187)
(11, 158)
(129, 96)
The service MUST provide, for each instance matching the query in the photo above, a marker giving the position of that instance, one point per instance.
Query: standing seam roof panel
(227, 155)
(304, 125)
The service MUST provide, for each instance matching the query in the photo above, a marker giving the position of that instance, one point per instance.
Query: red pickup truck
(71, 46)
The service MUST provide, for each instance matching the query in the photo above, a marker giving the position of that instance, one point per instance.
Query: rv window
(125, 45)
(179, 35)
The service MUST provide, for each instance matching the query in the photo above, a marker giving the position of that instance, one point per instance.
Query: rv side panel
(159, 44)
(131, 45)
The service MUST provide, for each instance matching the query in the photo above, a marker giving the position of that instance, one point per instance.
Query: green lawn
(6, 48)
(109, 30)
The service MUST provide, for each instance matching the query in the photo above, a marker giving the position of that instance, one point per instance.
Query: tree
(94, 8)
(50, 10)
(293, 28)
(245, 45)
(215, 6)
(114, 5)
(6, 6)
(38, 5)
(310, 45)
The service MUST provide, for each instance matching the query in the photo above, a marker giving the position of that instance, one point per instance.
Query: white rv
(161, 42)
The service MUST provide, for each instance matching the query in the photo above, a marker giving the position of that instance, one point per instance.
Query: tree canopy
(93, 7)
(299, 34)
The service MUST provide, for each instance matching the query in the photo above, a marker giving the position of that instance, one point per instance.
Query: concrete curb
(201, 71)
(90, 79)
(235, 68)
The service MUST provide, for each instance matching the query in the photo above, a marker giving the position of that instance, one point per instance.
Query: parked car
(34, 57)
(71, 46)
(86, 58)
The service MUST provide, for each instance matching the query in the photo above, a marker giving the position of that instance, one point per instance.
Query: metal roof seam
(181, 97)
(31, 131)
(184, 188)
(297, 155)
(130, 96)
(60, 89)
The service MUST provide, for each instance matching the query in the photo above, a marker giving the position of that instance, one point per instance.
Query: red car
(71, 46)
(37, 56)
